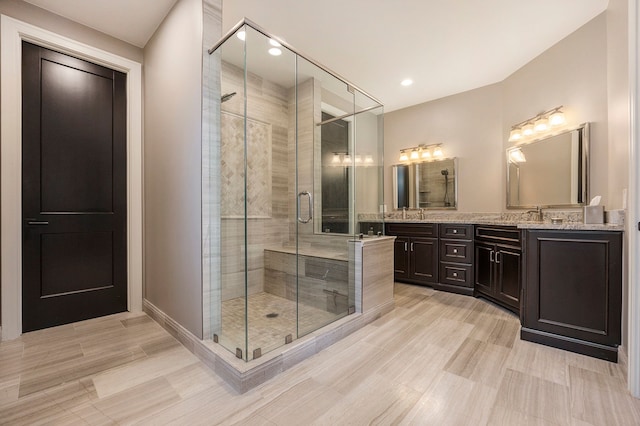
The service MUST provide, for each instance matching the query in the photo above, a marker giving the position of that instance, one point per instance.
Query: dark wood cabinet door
(508, 276)
(484, 256)
(401, 257)
(423, 261)
(574, 284)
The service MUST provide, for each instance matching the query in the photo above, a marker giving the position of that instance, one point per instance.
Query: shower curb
(243, 376)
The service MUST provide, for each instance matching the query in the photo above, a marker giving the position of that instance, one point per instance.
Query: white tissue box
(594, 214)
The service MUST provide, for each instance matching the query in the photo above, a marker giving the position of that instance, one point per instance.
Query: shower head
(226, 97)
(444, 172)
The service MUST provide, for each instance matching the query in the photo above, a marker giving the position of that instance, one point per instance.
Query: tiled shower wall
(267, 170)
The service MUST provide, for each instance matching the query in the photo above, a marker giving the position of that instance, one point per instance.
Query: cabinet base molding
(467, 291)
(608, 353)
(501, 303)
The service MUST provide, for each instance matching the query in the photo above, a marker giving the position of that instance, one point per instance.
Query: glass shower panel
(325, 170)
(233, 265)
(369, 185)
(270, 83)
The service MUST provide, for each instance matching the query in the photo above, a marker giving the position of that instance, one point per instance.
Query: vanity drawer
(452, 230)
(456, 274)
(412, 229)
(499, 234)
(456, 251)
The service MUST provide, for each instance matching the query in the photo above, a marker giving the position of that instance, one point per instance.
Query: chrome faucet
(538, 212)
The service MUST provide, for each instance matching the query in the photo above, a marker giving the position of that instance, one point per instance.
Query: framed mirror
(426, 185)
(550, 172)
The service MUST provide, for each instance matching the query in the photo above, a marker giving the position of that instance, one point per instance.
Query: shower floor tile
(271, 318)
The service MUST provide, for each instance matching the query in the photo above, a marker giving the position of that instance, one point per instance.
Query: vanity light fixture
(368, 159)
(336, 158)
(422, 151)
(346, 159)
(541, 123)
(358, 159)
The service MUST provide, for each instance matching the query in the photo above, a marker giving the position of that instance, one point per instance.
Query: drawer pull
(455, 250)
(455, 231)
(455, 274)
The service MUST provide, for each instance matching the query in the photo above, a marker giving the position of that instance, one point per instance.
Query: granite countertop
(571, 220)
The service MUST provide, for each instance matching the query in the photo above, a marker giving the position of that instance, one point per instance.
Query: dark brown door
(73, 189)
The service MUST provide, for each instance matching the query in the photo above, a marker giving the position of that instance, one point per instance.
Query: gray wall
(474, 125)
(172, 165)
(470, 127)
(41, 18)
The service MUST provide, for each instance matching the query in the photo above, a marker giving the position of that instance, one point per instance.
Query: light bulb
(403, 156)
(527, 129)
(426, 154)
(541, 124)
(517, 156)
(515, 135)
(335, 159)
(346, 159)
(358, 159)
(414, 155)
(557, 118)
(437, 152)
(368, 159)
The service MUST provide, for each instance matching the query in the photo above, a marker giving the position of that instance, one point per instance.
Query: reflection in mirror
(550, 172)
(426, 185)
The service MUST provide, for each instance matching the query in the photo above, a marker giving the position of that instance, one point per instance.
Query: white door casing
(13, 32)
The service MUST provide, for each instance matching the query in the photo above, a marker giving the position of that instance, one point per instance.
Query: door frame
(13, 32)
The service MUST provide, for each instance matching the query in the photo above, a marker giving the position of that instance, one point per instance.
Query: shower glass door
(325, 169)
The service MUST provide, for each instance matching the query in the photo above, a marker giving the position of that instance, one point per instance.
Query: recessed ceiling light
(274, 43)
(407, 82)
(275, 51)
(242, 35)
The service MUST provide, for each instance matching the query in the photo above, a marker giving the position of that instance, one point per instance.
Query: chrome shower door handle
(310, 215)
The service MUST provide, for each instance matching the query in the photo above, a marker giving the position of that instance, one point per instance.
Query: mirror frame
(584, 161)
(394, 184)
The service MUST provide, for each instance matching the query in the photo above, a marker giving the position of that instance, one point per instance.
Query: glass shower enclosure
(295, 161)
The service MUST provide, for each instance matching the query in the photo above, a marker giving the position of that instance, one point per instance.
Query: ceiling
(133, 21)
(445, 47)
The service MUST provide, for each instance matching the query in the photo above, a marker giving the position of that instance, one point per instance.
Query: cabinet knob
(455, 250)
(455, 274)
(455, 231)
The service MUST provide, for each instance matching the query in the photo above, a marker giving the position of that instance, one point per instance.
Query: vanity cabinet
(573, 291)
(456, 258)
(415, 252)
(498, 265)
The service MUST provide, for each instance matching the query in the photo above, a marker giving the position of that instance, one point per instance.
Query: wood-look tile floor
(438, 358)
